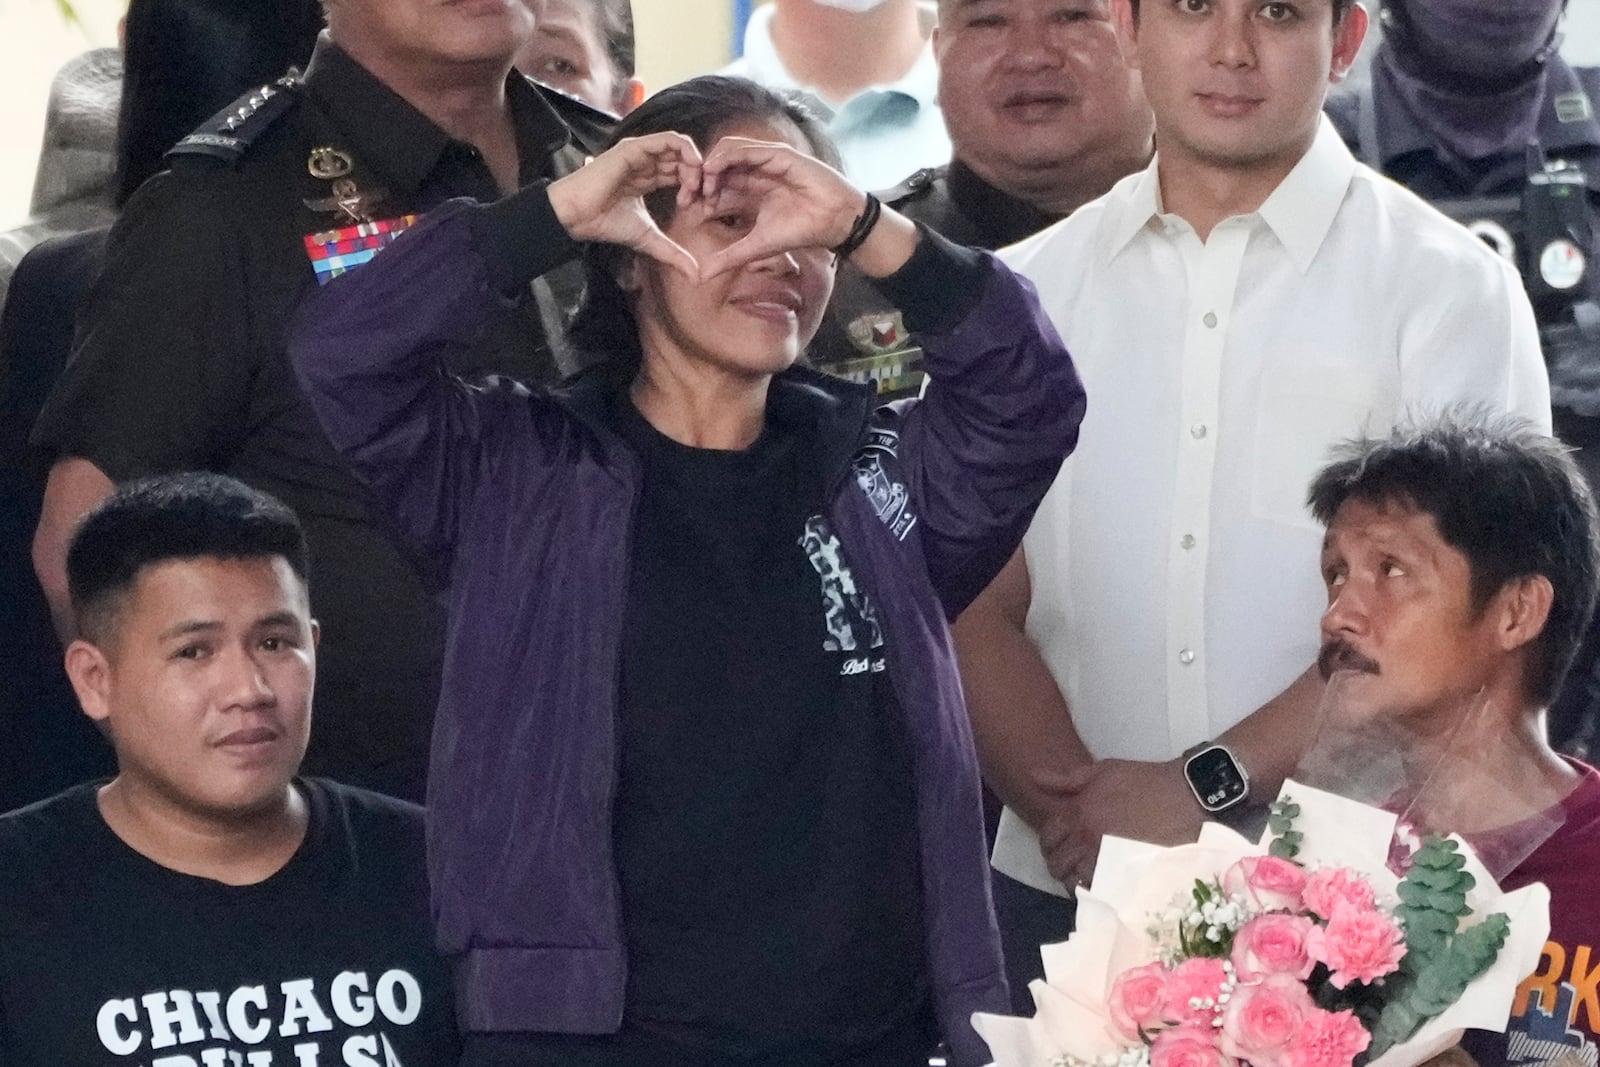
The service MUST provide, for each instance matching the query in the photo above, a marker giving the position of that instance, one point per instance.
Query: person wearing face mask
(1471, 106)
(703, 789)
(867, 67)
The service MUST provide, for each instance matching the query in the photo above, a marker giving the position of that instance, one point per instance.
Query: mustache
(1339, 655)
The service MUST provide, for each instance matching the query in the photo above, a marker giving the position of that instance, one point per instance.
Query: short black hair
(700, 109)
(615, 18)
(173, 516)
(1504, 495)
(1341, 8)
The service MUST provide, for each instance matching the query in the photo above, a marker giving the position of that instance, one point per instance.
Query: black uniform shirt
(1569, 128)
(180, 361)
(862, 337)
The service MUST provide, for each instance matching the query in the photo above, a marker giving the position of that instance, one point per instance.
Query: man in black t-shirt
(205, 907)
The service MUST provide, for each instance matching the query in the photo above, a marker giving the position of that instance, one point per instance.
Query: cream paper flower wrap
(1134, 884)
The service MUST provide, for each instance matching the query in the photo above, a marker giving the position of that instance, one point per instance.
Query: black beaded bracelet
(861, 230)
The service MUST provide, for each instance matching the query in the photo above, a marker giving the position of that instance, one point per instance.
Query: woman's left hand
(799, 202)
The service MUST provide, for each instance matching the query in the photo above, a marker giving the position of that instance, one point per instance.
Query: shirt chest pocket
(1304, 410)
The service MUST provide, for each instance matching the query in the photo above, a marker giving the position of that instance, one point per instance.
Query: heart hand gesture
(798, 202)
(604, 199)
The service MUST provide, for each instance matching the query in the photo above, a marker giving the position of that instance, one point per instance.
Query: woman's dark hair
(700, 109)
(185, 60)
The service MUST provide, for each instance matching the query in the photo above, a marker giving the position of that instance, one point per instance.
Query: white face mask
(855, 7)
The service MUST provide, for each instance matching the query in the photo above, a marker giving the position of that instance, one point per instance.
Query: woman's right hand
(604, 199)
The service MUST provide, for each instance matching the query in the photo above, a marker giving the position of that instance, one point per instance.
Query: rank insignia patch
(333, 252)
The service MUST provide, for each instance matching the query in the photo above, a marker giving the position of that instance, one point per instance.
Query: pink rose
(1272, 884)
(1334, 888)
(1192, 989)
(1263, 1017)
(1273, 944)
(1358, 946)
(1136, 998)
(1327, 1039)
(1187, 1046)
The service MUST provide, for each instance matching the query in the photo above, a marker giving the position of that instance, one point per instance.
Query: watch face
(1216, 779)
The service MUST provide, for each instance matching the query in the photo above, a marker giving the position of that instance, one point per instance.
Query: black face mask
(1471, 72)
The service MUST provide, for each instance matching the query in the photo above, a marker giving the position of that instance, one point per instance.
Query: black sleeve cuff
(520, 238)
(938, 285)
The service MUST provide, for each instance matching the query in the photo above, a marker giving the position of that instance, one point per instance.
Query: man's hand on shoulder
(1143, 801)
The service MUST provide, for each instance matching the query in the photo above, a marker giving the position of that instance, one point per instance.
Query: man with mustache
(1461, 562)
(1459, 91)
(206, 905)
(179, 359)
(1251, 297)
(1044, 115)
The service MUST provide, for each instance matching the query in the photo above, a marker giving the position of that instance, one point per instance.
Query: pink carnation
(1273, 944)
(1327, 1039)
(1187, 1046)
(1334, 888)
(1358, 946)
(1192, 990)
(1136, 998)
(1263, 1017)
(1272, 884)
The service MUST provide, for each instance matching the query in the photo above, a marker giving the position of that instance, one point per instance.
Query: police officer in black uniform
(1043, 115)
(179, 361)
(1471, 106)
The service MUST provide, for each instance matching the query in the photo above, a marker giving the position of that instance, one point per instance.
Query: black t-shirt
(765, 820)
(180, 364)
(108, 958)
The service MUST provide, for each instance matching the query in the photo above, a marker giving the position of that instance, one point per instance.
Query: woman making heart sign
(702, 788)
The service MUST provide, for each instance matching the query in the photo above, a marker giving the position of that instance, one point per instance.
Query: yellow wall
(679, 38)
(34, 41)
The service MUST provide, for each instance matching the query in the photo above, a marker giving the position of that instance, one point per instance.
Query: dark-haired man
(1251, 297)
(1044, 115)
(179, 359)
(1461, 562)
(205, 906)
(585, 48)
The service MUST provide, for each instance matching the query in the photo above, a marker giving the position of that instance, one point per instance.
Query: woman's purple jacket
(520, 503)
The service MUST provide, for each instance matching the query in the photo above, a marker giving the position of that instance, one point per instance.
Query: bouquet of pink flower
(1302, 950)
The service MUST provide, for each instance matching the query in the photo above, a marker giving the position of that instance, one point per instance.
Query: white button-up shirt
(1174, 564)
(884, 132)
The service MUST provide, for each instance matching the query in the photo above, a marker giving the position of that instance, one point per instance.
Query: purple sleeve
(986, 440)
(367, 349)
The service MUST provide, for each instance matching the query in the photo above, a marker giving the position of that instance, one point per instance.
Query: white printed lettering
(259, 1059)
(390, 1057)
(353, 1010)
(305, 1055)
(361, 1051)
(300, 1005)
(393, 1010)
(211, 1003)
(251, 1033)
(113, 1039)
(173, 1061)
(162, 1017)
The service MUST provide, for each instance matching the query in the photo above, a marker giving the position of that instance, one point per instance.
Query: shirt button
(1187, 541)
(1210, 320)
(1198, 431)
(1186, 657)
